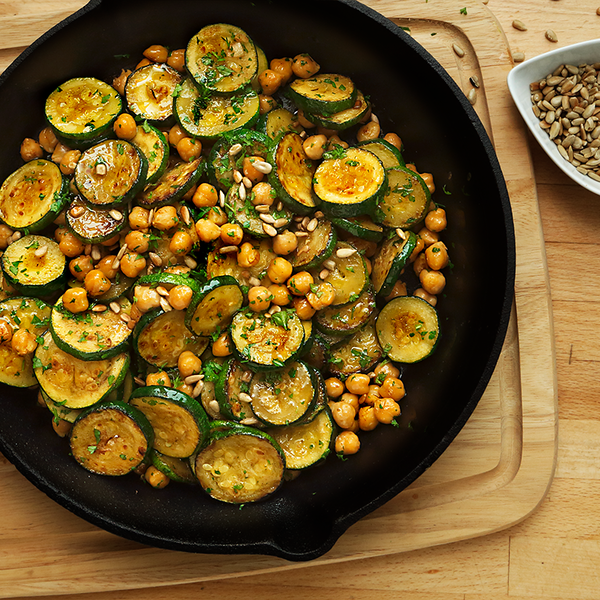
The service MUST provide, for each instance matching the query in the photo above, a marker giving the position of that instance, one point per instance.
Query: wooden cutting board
(493, 475)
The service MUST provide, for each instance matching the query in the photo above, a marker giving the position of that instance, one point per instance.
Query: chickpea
(285, 243)
(279, 270)
(367, 420)
(75, 300)
(358, 383)
(418, 249)
(156, 53)
(435, 220)
(253, 174)
(321, 296)
(430, 298)
(304, 66)
(428, 179)
(266, 103)
(222, 346)
(393, 388)
(157, 479)
(399, 289)
(303, 121)
(165, 218)
(270, 81)
(283, 66)
(386, 410)
(248, 256)
(119, 82)
(369, 131)
(343, 414)
(386, 369)
(394, 139)
(5, 233)
(420, 264)
(189, 149)
(80, 266)
(96, 283)
(106, 266)
(347, 442)
(125, 127)
(137, 241)
(176, 134)
(303, 308)
(314, 146)
(189, 364)
(59, 153)
(139, 218)
(207, 230)
(180, 296)
(433, 282)
(178, 270)
(135, 314)
(30, 150)
(259, 298)
(70, 246)
(336, 140)
(145, 298)
(143, 63)
(61, 427)
(69, 161)
(205, 195)
(428, 237)
(158, 378)
(176, 60)
(351, 399)
(113, 241)
(6, 331)
(217, 215)
(437, 256)
(132, 264)
(280, 294)
(335, 387)
(48, 140)
(232, 234)
(181, 243)
(369, 399)
(263, 193)
(300, 283)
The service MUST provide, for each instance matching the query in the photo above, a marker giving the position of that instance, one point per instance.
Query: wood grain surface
(554, 552)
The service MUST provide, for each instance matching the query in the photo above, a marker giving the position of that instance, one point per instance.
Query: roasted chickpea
(433, 282)
(189, 149)
(139, 218)
(23, 342)
(336, 140)
(399, 289)
(143, 63)
(48, 140)
(75, 300)
(156, 53)
(157, 479)
(283, 66)
(386, 369)
(165, 218)
(335, 387)
(189, 364)
(428, 179)
(314, 146)
(145, 298)
(367, 420)
(369, 131)
(304, 66)
(343, 414)
(30, 150)
(176, 134)
(80, 266)
(6, 331)
(253, 174)
(280, 294)
(266, 103)
(285, 243)
(69, 161)
(394, 139)
(137, 241)
(125, 127)
(430, 298)
(132, 264)
(420, 264)
(59, 153)
(303, 121)
(437, 256)
(96, 283)
(358, 383)
(428, 237)
(300, 283)
(435, 220)
(393, 388)
(321, 296)
(386, 410)
(232, 234)
(217, 215)
(263, 193)
(119, 82)
(113, 241)
(351, 399)
(180, 296)
(418, 249)
(70, 246)
(5, 234)
(205, 195)
(347, 442)
(259, 298)
(270, 81)
(61, 427)
(222, 346)
(248, 256)
(279, 270)
(176, 60)
(181, 243)
(303, 308)
(207, 230)
(159, 378)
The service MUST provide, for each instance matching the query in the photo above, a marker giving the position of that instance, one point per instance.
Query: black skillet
(412, 96)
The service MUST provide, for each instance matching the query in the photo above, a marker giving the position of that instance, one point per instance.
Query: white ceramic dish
(537, 68)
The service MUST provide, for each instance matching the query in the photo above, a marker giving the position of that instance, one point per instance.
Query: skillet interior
(413, 96)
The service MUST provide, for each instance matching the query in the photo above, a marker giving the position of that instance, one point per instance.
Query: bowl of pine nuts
(558, 96)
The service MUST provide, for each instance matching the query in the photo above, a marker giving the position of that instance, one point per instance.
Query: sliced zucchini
(240, 465)
(90, 335)
(361, 227)
(172, 185)
(59, 411)
(175, 469)
(91, 224)
(75, 383)
(154, 146)
(343, 119)
(277, 122)
(32, 315)
(314, 248)
(169, 280)
(263, 65)
(316, 356)
(222, 58)
(324, 93)
(111, 438)
(83, 108)
(234, 380)
(159, 338)
(408, 329)
(110, 173)
(351, 184)
(406, 201)
(179, 422)
(292, 174)
(33, 195)
(387, 153)
(149, 92)
(284, 396)
(34, 266)
(208, 117)
(346, 319)
(390, 259)
(214, 305)
(266, 343)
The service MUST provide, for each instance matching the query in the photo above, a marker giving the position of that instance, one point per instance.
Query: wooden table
(555, 552)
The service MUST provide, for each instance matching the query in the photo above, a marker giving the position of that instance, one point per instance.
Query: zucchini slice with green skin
(110, 173)
(33, 195)
(240, 465)
(175, 469)
(346, 319)
(214, 305)
(387, 153)
(292, 174)
(277, 122)
(390, 259)
(179, 422)
(361, 227)
(234, 380)
(31, 270)
(90, 335)
(60, 412)
(314, 248)
(222, 163)
(159, 337)
(149, 92)
(307, 444)
(351, 184)
(356, 354)
(120, 287)
(172, 185)
(169, 280)
(343, 119)
(408, 328)
(263, 65)
(111, 438)
(324, 93)
(83, 108)
(266, 343)
(93, 225)
(285, 396)
(209, 117)
(154, 146)
(316, 356)
(222, 58)
(32, 315)
(348, 274)
(75, 383)
(406, 201)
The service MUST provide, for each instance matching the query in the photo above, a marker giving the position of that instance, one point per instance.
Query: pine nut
(262, 167)
(235, 149)
(345, 252)
(162, 291)
(115, 307)
(41, 251)
(116, 215)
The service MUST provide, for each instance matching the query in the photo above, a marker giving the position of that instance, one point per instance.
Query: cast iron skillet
(412, 96)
